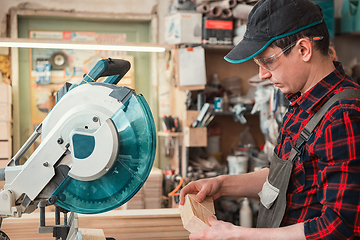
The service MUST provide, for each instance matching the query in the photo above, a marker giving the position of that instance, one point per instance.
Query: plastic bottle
(225, 103)
(246, 216)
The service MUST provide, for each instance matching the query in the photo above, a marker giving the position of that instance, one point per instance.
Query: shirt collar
(311, 98)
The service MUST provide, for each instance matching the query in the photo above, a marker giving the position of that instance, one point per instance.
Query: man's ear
(306, 49)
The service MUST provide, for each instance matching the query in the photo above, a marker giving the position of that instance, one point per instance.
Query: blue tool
(97, 149)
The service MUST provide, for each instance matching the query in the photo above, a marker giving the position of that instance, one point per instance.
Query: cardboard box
(217, 31)
(195, 137)
(194, 215)
(5, 93)
(183, 27)
(5, 130)
(5, 112)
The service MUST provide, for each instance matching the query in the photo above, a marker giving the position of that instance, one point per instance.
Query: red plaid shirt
(324, 189)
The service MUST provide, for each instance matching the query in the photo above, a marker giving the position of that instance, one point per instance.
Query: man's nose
(264, 73)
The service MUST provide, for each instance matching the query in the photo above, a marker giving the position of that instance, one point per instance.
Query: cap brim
(246, 50)
(249, 48)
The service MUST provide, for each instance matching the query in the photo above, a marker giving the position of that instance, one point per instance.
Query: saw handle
(116, 67)
(108, 67)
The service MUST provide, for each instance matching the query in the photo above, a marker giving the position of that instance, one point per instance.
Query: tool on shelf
(201, 115)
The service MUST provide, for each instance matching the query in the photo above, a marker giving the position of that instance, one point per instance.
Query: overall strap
(315, 120)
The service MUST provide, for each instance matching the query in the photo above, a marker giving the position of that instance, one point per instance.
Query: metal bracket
(59, 231)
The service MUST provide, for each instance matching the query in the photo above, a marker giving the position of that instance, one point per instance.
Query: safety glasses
(268, 63)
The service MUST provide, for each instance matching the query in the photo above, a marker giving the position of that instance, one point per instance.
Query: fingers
(200, 196)
(202, 189)
(182, 197)
(212, 220)
(190, 188)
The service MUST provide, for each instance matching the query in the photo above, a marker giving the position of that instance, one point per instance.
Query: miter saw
(97, 149)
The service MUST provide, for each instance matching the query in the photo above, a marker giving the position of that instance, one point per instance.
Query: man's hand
(219, 230)
(202, 188)
(241, 185)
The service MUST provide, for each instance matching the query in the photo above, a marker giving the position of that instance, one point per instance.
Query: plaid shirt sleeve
(337, 146)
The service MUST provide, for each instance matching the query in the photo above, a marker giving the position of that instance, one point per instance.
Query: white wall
(108, 6)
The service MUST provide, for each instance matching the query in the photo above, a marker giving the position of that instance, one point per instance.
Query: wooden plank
(153, 189)
(192, 88)
(194, 215)
(92, 234)
(5, 112)
(138, 224)
(5, 130)
(5, 149)
(195, 137)
(133, 223)
(119, 224)
(190, 117)
(26, 228)
(3, 163)
(5, 93)
(154, 230)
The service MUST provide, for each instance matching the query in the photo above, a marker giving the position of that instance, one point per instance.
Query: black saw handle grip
(108, 67)
(116, 67)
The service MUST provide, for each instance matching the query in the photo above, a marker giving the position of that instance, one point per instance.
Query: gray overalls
(273, 193)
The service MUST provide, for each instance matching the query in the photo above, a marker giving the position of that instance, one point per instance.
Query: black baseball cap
(270, 20)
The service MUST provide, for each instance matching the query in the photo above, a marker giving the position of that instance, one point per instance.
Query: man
(312, 189)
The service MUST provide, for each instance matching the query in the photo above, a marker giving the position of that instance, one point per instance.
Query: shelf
(246, 112)
(208, 46)
(170, 134)
(223, 113)
(218, 47)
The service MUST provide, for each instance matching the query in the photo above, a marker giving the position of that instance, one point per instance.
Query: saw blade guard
(136, 153)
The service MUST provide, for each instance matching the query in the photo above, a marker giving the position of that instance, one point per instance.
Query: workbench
(139, 224)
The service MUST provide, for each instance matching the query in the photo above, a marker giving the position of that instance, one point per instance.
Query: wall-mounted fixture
(36, 43)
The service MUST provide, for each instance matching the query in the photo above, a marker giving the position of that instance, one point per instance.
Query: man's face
(287, 73)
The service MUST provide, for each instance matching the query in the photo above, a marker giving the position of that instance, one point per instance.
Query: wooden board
(5, 93)
(190, 117)
(194, 215)
(149, 196)
(5, 130)
(120, 224)
(5, 112)
(5, 150)
(92, 234)
(195, 137)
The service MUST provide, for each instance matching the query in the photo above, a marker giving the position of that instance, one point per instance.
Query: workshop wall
(110, 6)
(119, 9)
